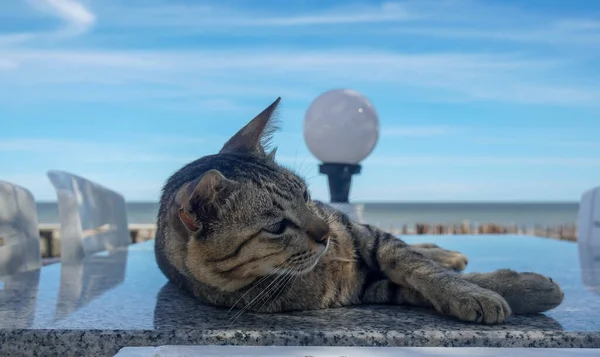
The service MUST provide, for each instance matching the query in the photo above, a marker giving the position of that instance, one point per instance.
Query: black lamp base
(340, 178)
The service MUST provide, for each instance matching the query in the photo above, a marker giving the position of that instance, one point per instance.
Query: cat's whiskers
(313, 264)
(277, 290)
(266, 289)
(335, 245)
(255, 284)
(308, 179)
(330, 218)
(302, 167)
(295, 278)
(273, 293)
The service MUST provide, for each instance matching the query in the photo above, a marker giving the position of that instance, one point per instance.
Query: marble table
(110, 301)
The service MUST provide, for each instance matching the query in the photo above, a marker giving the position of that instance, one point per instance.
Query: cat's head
(246, 216)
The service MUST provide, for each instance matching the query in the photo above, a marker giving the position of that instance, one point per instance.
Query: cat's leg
(526, 293)
(446, 258)
(446, 290)
(385, 291)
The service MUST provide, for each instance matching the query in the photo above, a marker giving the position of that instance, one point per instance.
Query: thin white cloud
(491, 190)
(473, 20)
(582, 24)
(138, 158)
(530, 141)
(440, 19)
(7, 64)
(76, 17)
(446, 19)
(72, 12)
(480, 161)
(474, 76)
(107, 75)
(15, 38)
(454, 161)
(142, 189)
(52, 145)
(58, 152)
(56, 144)
(132, 188)
(222, 105)
(420, 131)
(186, 17)
(297, 161)
(553, 35)
(388, 12)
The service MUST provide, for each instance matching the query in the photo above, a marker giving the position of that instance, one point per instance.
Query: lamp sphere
(341, 126)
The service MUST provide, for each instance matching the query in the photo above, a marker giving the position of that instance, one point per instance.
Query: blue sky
(478, 100)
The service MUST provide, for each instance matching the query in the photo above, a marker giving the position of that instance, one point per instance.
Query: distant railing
(140, 232)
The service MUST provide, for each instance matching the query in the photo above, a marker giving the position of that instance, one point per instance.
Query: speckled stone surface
(111, 301)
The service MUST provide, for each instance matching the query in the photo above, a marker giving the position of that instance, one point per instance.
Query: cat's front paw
(451, 260)
(528, 293)
(447, 258)
(474, 304)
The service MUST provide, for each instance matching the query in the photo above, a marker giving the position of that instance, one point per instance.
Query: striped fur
(220, 237)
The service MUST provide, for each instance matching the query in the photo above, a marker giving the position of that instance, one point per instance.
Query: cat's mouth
(303, 262)
(311, 262)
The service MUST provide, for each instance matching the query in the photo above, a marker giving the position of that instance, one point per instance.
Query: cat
(236, 229)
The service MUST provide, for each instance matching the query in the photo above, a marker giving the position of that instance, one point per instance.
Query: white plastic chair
(84, 281)
(93, 218)
(19, 231)
(588, 238)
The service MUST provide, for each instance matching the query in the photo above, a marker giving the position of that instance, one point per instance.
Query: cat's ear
(271, 155)
(200, 200)
(256, 135)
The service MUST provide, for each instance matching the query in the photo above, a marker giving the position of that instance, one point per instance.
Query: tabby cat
(235, 228)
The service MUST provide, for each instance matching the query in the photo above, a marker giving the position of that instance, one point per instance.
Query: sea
(395, 215)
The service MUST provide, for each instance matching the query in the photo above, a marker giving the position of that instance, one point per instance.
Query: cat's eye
(276, 228)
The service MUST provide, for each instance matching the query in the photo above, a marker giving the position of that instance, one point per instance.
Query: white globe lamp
(341, 129)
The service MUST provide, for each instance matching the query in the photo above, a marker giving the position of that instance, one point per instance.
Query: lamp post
(341, 129)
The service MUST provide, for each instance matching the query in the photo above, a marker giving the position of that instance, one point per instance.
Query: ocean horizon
(396, 214)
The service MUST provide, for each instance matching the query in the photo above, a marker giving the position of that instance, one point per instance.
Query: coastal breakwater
(566, 232)
(50, 233)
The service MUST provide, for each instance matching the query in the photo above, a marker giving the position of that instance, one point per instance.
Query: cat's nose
(319, 232)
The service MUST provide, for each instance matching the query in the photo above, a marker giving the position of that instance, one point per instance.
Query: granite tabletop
(113, 300)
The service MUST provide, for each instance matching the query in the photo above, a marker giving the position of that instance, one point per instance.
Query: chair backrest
(19, 231)
(588, 238)
(588, 217)
(93, 218)
(19, 297)
(86, 280)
